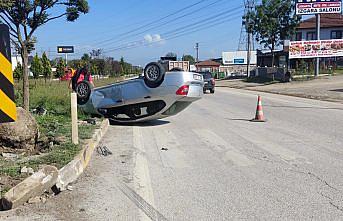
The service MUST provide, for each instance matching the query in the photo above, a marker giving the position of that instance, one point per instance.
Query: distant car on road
(154, 95)
(209, 82)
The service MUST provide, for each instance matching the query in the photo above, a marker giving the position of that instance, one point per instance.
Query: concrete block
(32, 186)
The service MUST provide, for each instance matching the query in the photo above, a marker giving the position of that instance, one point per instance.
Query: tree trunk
(273, 55)
(26, 92)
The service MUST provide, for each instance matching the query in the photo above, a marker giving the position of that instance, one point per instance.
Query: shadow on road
(299, 107)
(238, 119)
(142, 124)
(337, 90)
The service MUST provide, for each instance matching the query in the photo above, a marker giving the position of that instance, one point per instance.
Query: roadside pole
(66, 59)
(197, 49)
(316, 74)
(74, 130)
(249, 54)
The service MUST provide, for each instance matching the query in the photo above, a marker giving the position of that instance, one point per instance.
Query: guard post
(8, 112)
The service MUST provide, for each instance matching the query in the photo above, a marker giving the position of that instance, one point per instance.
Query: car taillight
(183, 90)
(213, 82)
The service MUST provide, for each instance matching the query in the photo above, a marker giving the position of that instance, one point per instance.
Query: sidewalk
(328, 88)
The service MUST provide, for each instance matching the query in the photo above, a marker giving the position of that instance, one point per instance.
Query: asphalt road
(211, 163)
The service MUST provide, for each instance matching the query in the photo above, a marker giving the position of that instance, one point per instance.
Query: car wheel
(212, 91)
(204, 91)
(83, 92)
(176, 69)
(154, 74)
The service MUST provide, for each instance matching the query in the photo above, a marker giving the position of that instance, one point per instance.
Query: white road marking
(272, 147)
(174, 157)
(141, 179)
(221, 146)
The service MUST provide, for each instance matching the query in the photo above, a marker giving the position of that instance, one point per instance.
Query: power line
(217, 17)
(186, 32)
(208, 20)
(161, 24)
(154, 21)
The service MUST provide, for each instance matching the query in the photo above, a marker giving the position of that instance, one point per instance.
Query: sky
(141, 31)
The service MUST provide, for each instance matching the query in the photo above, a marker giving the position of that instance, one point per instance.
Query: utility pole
(197, 49)
(246, 42)
(316, 74)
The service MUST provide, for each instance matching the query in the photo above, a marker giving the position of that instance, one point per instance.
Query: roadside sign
(316, 49)
(65, 49)
(7, 101)
(309, 7)
(238, 61)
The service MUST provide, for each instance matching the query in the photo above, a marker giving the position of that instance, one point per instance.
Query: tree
(272, 22)
(171, 54)
(122, 66)
(96, 53)
(60, 68)
(24, 17)
(18, 71)
(99, 64)
(189, 58)
(85, 60)
(47, 71)
(36, 67)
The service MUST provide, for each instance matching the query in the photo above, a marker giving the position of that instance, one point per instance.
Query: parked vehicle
(154, 95)
(209, 82)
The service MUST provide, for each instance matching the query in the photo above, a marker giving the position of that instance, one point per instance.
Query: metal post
(74, 125)
(318, 38)
(66, 59)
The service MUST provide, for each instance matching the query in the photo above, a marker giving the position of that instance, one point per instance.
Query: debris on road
(34, 200)
(103, 150)
(164, 149)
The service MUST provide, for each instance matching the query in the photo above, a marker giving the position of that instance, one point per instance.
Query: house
(208, 65)
(331, 27)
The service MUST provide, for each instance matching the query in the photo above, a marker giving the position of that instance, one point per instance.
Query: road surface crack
(317, 178)
(331, 202)
(323, 181)
(336, 206)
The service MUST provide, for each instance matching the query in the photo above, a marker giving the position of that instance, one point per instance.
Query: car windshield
(207, 75)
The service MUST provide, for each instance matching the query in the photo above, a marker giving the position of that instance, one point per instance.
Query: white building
(15, 61)
(238, 58)
(331, 27)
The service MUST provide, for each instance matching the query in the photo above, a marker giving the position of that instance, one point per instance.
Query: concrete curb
(50, 176)
(32, 186)
(75, 168)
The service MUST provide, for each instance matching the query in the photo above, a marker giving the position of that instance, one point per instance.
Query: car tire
(176, 69)
(212, 91)
(154, 74)
(83, 92)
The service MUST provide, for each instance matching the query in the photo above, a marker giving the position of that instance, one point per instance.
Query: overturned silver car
(154, 95)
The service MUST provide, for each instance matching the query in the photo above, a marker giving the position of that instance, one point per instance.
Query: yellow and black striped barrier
(7, 103)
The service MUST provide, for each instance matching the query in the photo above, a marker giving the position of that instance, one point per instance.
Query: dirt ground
(328, 88)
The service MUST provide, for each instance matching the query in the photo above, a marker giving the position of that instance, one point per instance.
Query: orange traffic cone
(259, 112)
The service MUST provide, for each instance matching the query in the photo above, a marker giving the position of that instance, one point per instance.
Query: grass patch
(55, 128)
